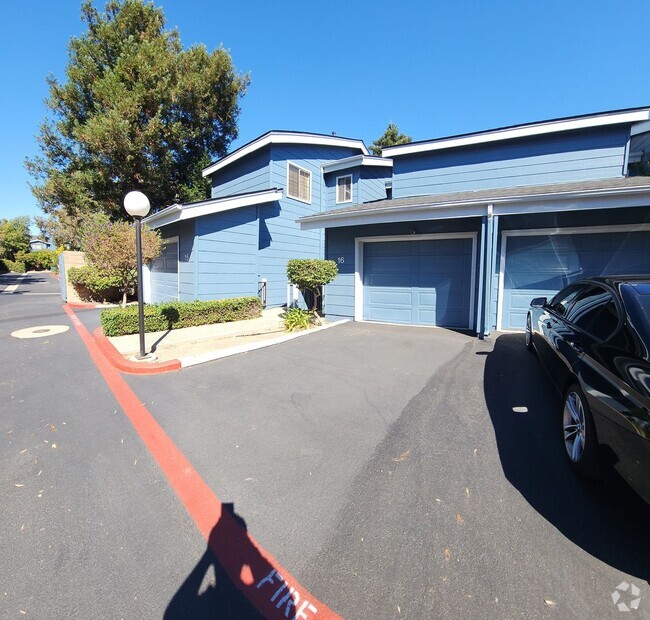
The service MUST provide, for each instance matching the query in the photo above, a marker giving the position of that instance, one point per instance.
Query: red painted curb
(80, 305)
(134, 368)
(253, 571)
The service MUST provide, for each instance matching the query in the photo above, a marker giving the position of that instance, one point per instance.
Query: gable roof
(284, 137)
(605, 193)
(628, 116)
(191, 210)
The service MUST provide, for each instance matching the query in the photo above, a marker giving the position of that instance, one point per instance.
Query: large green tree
(136, 111)
(14, 236)
(390, 137)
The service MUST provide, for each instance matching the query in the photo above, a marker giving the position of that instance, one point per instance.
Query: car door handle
(576, 346)
(548, 325)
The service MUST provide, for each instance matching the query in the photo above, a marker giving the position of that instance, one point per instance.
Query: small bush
(11, 265)
(177, 314)
(38, 260)
(311, 274)
(296, 319)
(92, 285)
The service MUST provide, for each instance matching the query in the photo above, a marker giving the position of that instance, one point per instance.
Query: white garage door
(164, 273)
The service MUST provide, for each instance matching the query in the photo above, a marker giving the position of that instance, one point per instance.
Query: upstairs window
(344, 189)
(299, 183)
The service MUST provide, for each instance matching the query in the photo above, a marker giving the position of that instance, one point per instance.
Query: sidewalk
(195, 345)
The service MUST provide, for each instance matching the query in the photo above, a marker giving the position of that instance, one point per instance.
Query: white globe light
(136, 204)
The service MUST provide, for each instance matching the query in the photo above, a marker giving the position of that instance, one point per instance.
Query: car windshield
(636, 298)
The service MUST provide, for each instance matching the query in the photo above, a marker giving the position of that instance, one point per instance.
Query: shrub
(177, 314)
(92, 285)
(311, 274)
(296, 319)
(11, 265)
(38, 259)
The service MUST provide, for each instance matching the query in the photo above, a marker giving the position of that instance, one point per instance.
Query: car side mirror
(539, 302)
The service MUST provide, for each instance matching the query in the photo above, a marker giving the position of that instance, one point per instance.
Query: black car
(593, 339)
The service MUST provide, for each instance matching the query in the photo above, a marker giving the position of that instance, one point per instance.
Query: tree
(390, 137)
(311, 274)
(14, 236)
(110, 249)
(136, 111)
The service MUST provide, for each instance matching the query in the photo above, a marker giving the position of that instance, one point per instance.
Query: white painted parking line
(12, 287)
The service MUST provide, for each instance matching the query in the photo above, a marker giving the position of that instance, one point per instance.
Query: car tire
(579, 433)
(529, 335)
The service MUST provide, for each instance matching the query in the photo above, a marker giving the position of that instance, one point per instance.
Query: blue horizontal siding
(574, 156)
(250, 174)
(372, 184)
(227, 254)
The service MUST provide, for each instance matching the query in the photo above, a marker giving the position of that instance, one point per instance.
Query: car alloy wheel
(580, 434)
(574, 426)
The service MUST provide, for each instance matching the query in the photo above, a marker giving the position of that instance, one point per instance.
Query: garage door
(427, 282)
(164, 273)
(541, 265)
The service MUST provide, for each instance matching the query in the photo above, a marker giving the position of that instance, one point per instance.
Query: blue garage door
(164, 273)
(418, 282)
(541, 265)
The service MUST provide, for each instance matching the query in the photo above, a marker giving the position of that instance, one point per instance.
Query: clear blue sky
(435, 68)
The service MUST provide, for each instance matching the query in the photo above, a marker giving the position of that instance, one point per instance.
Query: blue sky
(434, 68)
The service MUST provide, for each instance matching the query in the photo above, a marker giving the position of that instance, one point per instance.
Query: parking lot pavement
(405, 472)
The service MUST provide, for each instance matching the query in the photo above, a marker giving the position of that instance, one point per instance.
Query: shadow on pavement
(209, 590)
(606, 520)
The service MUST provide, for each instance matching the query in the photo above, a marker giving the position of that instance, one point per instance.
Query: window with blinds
(299, 183)
(344, 189)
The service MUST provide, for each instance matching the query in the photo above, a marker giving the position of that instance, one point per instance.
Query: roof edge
(283, 137)
(631, 115)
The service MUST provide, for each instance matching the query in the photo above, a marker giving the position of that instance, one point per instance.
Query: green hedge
(177, 314)
(11, 265)
(92, 285)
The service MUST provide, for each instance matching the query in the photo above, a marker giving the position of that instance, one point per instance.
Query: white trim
(609, 198)
(639, 128)
(356, 160)
(290, 163)
(533, 232)
(358, 266)
(179, 213)
(336, 189)
(280, 137)
(524, 131)
(146, 284)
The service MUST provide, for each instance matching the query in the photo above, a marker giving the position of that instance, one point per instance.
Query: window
(564, 299)
(299, 183)
(344, 189)
(595, 313)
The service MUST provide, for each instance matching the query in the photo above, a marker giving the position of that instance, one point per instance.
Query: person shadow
(232, 580)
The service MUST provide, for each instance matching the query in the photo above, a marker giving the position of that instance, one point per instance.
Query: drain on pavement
(40, 331)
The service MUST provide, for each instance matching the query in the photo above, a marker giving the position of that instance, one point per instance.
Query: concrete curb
(151, 368)
(192, 360)
(134, 368)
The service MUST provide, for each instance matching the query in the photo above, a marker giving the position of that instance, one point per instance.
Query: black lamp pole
(137, 206)
(138, 251)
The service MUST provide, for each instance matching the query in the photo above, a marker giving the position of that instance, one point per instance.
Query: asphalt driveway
(407, 472)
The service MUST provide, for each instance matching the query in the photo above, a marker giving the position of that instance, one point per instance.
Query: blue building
(458, 232)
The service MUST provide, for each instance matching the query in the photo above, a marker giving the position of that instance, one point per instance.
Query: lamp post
(137, 206)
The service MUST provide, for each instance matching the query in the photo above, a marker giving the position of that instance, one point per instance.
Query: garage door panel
(541, 265)
(164, 274)
(436, 274)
